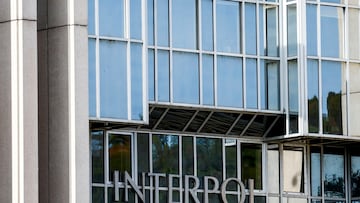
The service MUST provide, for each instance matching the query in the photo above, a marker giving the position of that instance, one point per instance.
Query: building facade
(180, 101)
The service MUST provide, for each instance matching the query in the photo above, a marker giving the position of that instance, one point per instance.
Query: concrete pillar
(18, 102)
(63, 97)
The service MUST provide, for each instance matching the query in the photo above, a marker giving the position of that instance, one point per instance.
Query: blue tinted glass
(163, 76)
(293, 86)
(332, 31)
(331, 97)
(315, 174)
(151, 74)
(208, 79)
(136, 82)
(251, 83)
(355, 176)
(269, 85)
(229, 81)
(262, 30)
(311, 34)
(163, 22)
(334, 182)
(207, 24)
(113, 85)
(250, 28)
(292, 30)
(228, 26)
(185, 78)
(333, 1)
(91, 18)
(135, 19)
(271, 31)
(92, 78)
(111, 18)
(150, 21)
(184, 23)
(313, 95)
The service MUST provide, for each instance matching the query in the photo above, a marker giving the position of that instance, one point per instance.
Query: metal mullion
(322, 174)
(97, 61)
(171, 93)
(238, 165)
(180, 166)
(258, 65)
(128, 57)
(134, 160)
(195, 155)
(281, 172)
(151, 165)
(318, 19)
(215, 53)
(223, 159)
(199, 38)
(155, 52)
(243, 51)
(145, 60)
(106, 165)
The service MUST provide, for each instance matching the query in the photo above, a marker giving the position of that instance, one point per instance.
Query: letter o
(223, 189)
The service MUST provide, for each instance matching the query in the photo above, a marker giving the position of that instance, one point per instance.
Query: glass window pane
(270, 85)
(229, 81)
(119, 154)
(251, 84)
(250, 28)
(209, 158)
(187, 155)
(231, 162)
(97, 195)
(251, 163)
(113, 85)
(293, 95)
(143, 157)
(163, 22)
(186, 77)
(311, 27)
(163, 76)
(150, 21)
(315, 171)
(184, 24)
(97, 152)
(292, 30)
(333, 1)
(262, 22)
(111, 18)
(313, 95)
(207, 24)
(151, 74)
(91, 17)
(354, 107)
(355, 176)
(228, 26)
(135, 19)
(273, 168)
(92, 77)
(272, 45)
(334, 182)
(208, 79)
(354, 33)
(136, 82)
(293, 169)
(331, 97)
(165, 153)
(332, 31)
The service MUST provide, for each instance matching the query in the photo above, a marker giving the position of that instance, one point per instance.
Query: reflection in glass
(292, 30)
(91, 17)
(111, 18)
(162, 22)
(135, 19)
(165, 153)
(186, 85)
(251, 84)
(293, 94)
(97, 152)
(136, 82)
(331, 97)
(184, 24)
(143, 158)
(334, 182)
(209, 158)
(355, 176)
(113, 81)
(207, 24)
(250, 28)
(228, 26)
(315, 172)
(97, 195)
(187, 155)
(293, 167)
(208, 79)
(229, 81)
(270, 85)
(332, 31)
(272, 48)
(151, 75)
(230, 162)
(311, 27)
(92, 77)
(251, 163)
(119, 154)
(354, 33)
(313, 95)
(163, 76)
(333, 1)
(273, 168)
(150, 22)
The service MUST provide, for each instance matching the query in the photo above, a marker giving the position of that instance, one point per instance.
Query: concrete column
(18, 102)
(63, 97)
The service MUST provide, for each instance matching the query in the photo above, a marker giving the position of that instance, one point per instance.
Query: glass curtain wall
(214, 53)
